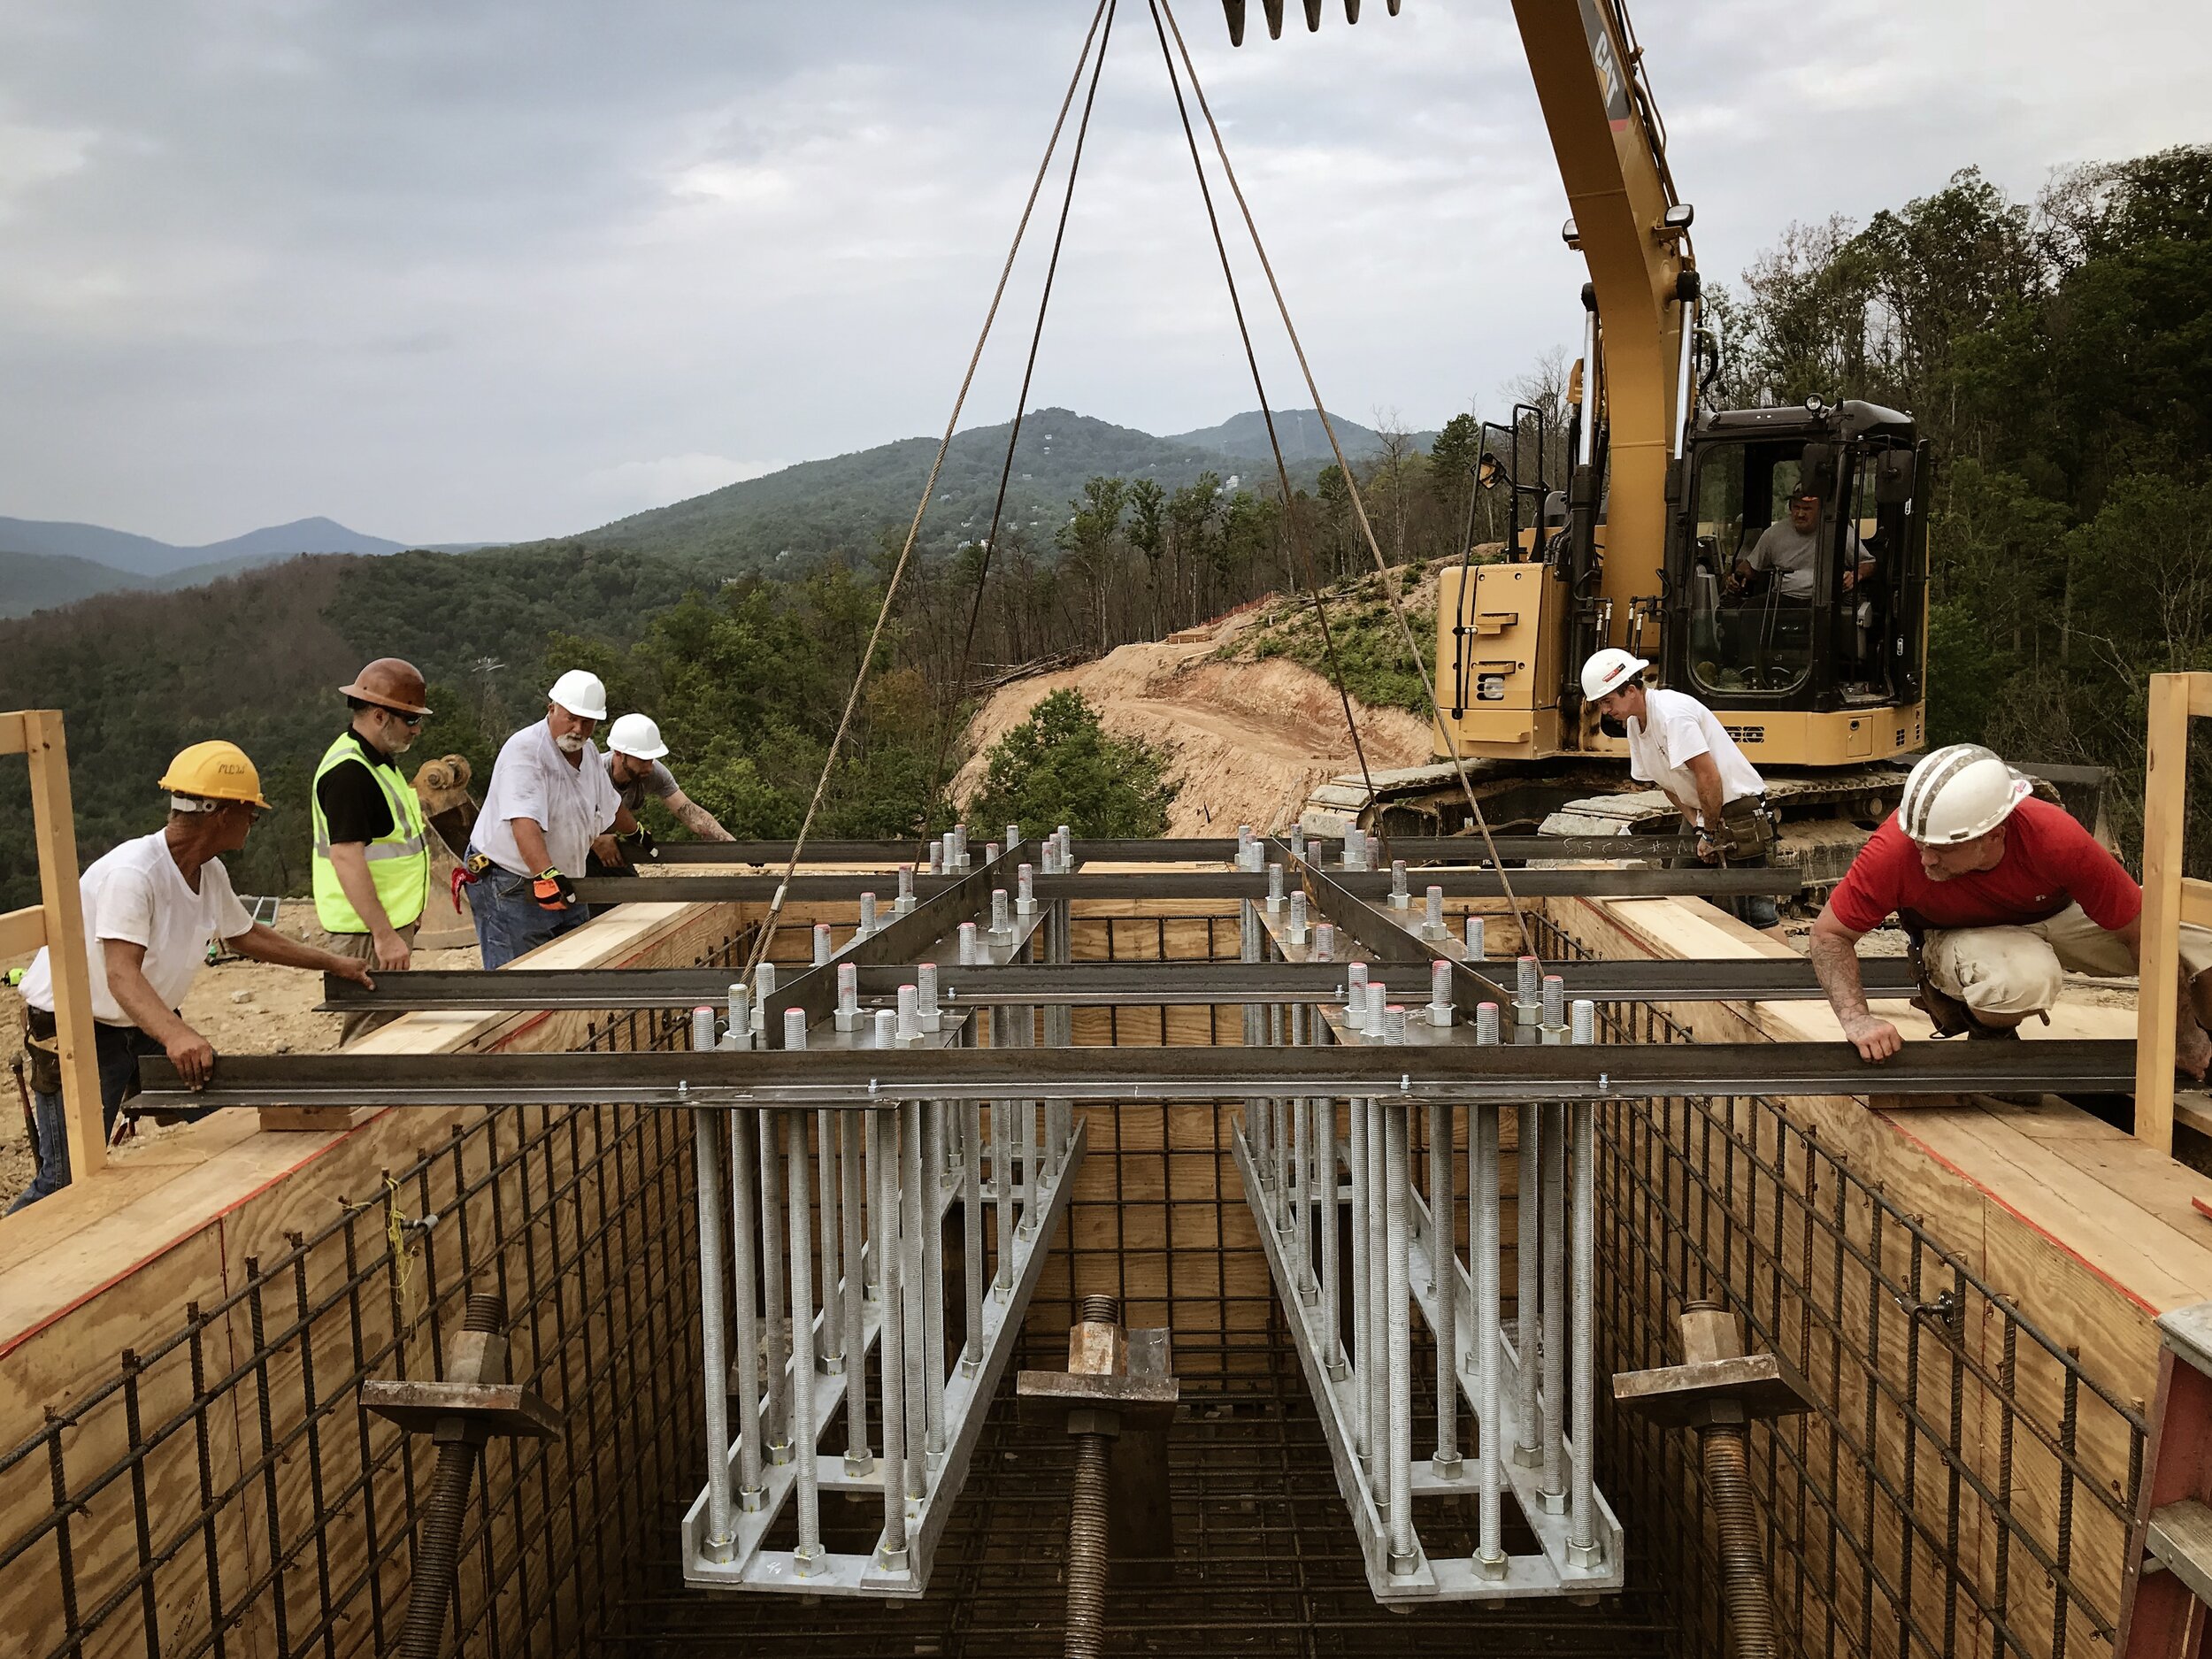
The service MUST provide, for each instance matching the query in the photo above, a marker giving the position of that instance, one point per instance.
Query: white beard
(570, 743)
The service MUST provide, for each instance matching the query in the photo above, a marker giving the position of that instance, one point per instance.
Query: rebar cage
(219, 1492)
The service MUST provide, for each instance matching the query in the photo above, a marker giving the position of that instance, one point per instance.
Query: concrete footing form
(1143, 1071)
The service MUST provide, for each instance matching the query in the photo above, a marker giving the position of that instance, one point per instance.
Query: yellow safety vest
(399, 860)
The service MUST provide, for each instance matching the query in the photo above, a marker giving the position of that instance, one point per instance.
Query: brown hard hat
(390, 683)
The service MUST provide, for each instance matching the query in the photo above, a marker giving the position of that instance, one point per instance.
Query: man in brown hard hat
(372, 854)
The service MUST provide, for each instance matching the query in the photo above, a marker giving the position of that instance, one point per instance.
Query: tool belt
(1747, 833)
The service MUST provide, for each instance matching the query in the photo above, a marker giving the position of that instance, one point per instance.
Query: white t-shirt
(531, 778)
(1682, 728)
(136, 893)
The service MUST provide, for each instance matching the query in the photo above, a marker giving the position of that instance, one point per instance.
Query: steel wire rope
(765, 938)
(1282, 472)
(1351, 485)
(1021, 405)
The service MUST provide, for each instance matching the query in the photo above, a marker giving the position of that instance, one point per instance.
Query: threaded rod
(1087, 1519)
(1743, 1575)
(438, 1534)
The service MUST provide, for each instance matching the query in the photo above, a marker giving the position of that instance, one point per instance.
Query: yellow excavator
(1650, 538)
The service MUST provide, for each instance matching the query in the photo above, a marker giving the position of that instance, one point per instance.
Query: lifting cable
(765, 938)
(1359, 507)
(1021, 405)
(1282, 473)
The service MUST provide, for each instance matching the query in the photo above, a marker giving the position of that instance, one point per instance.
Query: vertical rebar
(778, 1348)
(884, 1137)
(1362, 1231)
(934, 1274)
(913, 1216)
(1528, 1316)
(1003, 1193)
(745, 1302)
(1490, 1560)
(1329, 1213)
(1378, 1292)
(706, 1129)
(971, 1230)
(1581, 1532)
(833, 1343)
(1551, 1489)
(858, 1459)
(1398, 1311)
(802, 1423)
(1444, 1263)
(438, 1536)
(1300, 1207)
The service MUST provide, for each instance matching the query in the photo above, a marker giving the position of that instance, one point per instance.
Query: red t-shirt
(2050, 862)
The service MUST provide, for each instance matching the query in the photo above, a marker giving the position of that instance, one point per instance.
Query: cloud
(427, 265)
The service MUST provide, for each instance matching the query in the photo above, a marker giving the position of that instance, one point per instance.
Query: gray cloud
(487, 269)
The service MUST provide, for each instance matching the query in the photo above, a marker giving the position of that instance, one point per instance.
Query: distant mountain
(1302, 436)
(40, 582)
(848, 501)
(142, 555)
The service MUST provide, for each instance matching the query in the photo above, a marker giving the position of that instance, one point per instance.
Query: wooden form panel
(2042, 1208)
(113, 1263)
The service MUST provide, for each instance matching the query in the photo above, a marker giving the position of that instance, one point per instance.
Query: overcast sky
(490, 269)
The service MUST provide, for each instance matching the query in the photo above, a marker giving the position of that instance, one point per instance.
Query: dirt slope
(1249, 740)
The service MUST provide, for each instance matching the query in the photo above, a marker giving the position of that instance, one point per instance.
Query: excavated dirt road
(1248, 740)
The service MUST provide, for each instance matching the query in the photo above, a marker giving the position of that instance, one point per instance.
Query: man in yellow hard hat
(371, 848)
(150, 905)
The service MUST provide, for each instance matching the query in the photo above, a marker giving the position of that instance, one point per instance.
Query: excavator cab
(1796, 579)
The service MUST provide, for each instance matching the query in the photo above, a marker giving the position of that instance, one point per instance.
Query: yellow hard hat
(214, 772)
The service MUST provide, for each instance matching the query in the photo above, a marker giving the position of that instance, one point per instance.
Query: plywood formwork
(1975, 1301)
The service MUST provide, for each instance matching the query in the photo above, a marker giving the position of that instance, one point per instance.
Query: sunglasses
(412, 721)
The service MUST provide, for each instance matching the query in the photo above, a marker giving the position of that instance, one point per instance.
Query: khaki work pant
(362, 948)
(2016, 971)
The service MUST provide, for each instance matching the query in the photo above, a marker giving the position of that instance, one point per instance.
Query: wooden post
(2165, 803)
(57, 834)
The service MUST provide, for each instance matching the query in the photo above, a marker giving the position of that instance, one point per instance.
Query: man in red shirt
(1999, 892)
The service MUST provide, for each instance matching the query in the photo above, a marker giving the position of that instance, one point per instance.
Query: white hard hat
(1608, 671)
(636, 736)
(1961, 791)
(580, 694)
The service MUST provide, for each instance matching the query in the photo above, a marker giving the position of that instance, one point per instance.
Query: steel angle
(862, 1079)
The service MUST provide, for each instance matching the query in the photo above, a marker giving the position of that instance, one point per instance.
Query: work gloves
(553, 891)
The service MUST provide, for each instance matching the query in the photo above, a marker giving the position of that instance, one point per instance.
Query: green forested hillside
(258, 659)
(847, 502)
(38, 581)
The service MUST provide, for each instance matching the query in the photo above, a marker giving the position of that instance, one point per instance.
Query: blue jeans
(508, 919)
(116, 1049)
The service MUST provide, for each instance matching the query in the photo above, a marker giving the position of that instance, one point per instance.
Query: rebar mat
(1265, 1563)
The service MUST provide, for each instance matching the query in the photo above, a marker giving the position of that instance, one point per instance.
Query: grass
(1368, 647)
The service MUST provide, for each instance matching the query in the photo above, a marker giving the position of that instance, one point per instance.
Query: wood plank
(22, 932)
(2165, 804)
(56, 831)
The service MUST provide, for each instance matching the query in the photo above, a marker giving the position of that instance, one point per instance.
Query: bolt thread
(1743, 1585)
(438, 1534)
(1098, 1310)
(1086, 1541)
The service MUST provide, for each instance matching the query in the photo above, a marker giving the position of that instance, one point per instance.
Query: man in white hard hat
(634, 752)
(1675, 743)
(1999, 892)
(549, 799)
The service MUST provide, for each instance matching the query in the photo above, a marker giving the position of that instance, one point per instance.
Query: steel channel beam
(1610, 881)
(1458, 849)
(866, 1079)
(1346, 907)
(1084, 984)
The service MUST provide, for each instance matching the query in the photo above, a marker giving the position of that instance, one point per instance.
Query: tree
(1088, 540)
(1059, 767)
